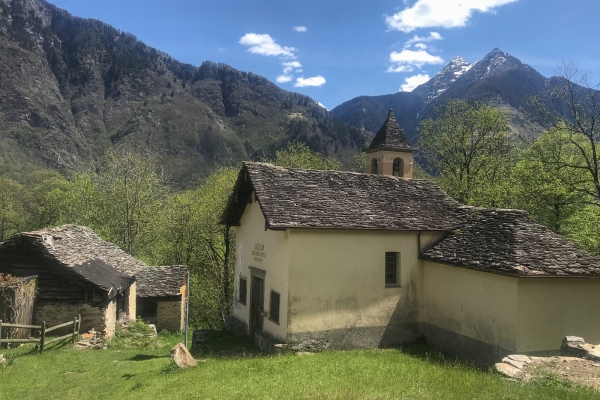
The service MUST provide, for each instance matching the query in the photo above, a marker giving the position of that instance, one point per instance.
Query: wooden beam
(59, 326)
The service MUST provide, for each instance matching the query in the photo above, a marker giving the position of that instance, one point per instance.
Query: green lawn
(229, 368)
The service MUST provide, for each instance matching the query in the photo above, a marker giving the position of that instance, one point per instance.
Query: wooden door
(257, 297)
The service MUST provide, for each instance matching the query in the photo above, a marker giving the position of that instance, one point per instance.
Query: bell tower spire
(389, 152)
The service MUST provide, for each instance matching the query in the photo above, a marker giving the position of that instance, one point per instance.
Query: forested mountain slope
(72, 88)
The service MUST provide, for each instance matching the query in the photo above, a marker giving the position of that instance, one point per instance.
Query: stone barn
(160, 298)
(77, 273)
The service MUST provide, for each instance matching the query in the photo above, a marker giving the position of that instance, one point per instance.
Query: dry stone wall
(98, 318)
(169, 316)
(58, 313)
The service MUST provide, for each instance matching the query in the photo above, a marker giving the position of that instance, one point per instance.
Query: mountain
(443, 79)
(73, 88)
(498, 79)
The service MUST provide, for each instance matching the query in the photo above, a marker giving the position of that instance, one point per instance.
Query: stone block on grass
(182, 357)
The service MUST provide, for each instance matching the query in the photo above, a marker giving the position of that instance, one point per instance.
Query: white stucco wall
(337, 279)
(552, 308)
(273, 260)
(479, 305)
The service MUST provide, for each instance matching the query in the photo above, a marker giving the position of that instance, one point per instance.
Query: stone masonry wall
(101, 319)
(58, 313)
(169, 316)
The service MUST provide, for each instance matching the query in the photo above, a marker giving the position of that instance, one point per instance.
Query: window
(398, 167)
(391, 269)
(374, 166)
(242, 291)
(274, 307)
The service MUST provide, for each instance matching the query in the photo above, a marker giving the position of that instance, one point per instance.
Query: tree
(298, 155)
(130, 192)
(541, 178)
(42, 210)
(12, 212)
(191, 234)
(572, 106)
(468, 147)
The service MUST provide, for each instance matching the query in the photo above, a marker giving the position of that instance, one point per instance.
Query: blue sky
(343, 49)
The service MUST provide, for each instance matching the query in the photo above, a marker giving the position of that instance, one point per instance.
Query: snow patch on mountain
(443, 79)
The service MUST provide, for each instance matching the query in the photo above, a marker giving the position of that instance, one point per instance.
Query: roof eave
(509, 274)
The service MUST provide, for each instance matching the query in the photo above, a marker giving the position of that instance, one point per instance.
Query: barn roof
(161, 281)
(299, 198)
(390, 136)
(508, 242)
(78, 248)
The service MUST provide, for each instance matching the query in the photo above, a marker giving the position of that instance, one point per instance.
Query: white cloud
(406, 60)
(265, 45)
(300, 28)
(290, 66)
(416, 39)
(322, 105)
(421, 46)
(440, 13)
(284, 78)
(412, 82)
(314, 81)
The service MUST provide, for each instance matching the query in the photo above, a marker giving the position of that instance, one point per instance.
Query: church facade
(361, 260)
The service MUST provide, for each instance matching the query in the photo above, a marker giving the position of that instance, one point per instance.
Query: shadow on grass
(425, 352)
(145, 357)
(222, 344)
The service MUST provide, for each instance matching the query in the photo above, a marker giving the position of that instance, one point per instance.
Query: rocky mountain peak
(443, 79)
(493, 63)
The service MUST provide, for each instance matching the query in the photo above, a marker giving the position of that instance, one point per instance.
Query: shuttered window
(243, 291)
(391, 269)
(274, 306)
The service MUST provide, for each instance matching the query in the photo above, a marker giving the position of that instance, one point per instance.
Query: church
(363, 260)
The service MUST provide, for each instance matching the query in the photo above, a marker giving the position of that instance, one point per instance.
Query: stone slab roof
(164, 281)
(81, 250)
(298, 198)
(509, 242)
(390, 135)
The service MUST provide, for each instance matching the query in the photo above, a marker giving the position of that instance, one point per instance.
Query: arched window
(374, 166)
(398, 169)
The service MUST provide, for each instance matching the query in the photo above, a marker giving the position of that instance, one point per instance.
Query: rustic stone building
(76, 274)
(347, 260)
(160, 298)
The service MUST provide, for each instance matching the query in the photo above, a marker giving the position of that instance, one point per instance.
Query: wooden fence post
(0, 333)
(79, 324)
(43, 338)
(74, 330)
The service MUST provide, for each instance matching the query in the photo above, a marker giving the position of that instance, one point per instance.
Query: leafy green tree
(298, 155)
(191, 234)
(13, 196)
(542, 180)
(130, 191)
(42, 210)
(468, 147)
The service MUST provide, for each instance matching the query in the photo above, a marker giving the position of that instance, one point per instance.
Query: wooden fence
(44, 331)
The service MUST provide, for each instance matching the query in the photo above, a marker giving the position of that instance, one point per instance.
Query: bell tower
(389, 152)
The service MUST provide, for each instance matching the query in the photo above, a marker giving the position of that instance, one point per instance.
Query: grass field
(230, 368)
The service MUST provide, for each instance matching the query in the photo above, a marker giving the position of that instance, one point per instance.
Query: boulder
(520, 358)
(571, 346)
(509, 371)
(514, 363)
(182, 357)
